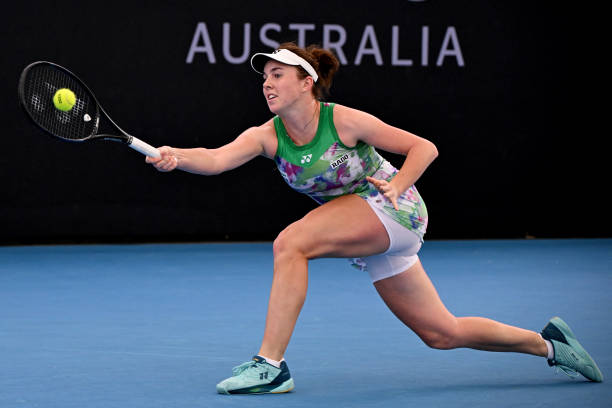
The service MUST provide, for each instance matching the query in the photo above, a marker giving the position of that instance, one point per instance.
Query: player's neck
(302, 123)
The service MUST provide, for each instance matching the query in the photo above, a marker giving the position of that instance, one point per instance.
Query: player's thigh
(344, 227)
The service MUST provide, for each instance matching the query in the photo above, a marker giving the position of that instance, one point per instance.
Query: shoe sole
(287, 386)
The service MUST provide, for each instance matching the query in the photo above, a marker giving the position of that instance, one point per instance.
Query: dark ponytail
(323, 61)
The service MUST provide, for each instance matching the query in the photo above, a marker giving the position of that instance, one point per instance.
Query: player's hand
(167, 162)
(387, 189)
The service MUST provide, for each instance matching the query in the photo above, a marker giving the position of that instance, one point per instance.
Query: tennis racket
(38, 84)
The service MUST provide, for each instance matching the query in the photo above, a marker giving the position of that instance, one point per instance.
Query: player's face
(281, 86)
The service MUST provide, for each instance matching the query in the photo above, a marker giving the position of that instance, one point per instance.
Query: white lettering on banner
(451, 36)
(425, 47)
(369, 35)
(395, 49)
(335, 46)
(201, 33)
(334, 39)
(226, 44)
(301, 29)
(262, 34)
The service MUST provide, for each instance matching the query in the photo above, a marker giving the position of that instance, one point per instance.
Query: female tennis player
(369, 211)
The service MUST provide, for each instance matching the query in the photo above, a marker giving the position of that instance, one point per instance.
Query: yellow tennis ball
(64, 99)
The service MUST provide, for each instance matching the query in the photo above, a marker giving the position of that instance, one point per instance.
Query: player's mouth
(271, 96)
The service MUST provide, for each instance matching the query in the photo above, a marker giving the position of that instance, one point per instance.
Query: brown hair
(323, 61)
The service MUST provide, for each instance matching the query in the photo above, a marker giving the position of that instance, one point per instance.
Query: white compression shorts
(401, 254)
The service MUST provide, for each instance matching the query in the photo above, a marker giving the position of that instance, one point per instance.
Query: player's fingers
(392, 198)
(164, 153)
(168, 163)
(379, 184)
(172, 163)
(374, 181)
(394, 202)
(385, 189)
(159, 164)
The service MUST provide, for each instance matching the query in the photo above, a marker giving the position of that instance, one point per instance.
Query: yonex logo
(306, 159)
(339, 161)
(263, 376)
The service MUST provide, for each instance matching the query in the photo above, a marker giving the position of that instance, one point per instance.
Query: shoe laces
(244, 366)
(566, 370)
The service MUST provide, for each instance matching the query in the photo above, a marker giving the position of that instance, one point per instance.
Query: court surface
(159, 325)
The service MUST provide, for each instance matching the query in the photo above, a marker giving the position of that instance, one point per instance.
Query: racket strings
(39, 87)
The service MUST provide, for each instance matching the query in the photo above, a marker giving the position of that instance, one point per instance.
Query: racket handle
(144, 148)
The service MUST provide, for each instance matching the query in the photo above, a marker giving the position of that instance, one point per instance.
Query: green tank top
(325, 169)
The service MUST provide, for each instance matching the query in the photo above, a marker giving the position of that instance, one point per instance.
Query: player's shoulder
(263, 130)
(260, 132)
(265, 134)
(267, 127)
(348, 113)
(351, 122)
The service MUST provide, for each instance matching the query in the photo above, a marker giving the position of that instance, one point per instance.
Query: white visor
(258, 61)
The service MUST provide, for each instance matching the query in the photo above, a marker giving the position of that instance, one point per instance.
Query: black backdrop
(493, 84)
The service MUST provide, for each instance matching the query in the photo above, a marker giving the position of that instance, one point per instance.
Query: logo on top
(339, 161)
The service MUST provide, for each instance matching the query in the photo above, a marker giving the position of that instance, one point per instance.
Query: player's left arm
(354, 125)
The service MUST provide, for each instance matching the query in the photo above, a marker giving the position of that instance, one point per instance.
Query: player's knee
(280, 244)
(297, 240)
(286, 242)
(444, 339)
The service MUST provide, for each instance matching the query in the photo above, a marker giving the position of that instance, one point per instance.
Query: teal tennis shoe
(570, 356)
(257, 377)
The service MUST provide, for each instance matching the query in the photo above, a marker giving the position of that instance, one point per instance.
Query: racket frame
(123, 137)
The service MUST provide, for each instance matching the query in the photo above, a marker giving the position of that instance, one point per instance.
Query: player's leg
(344, 227)
(414, 300)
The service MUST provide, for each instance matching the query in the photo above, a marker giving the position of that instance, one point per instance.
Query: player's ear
(308, 83)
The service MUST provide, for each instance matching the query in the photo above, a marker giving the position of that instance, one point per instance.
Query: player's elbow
(434, 150)
(431, 149)
(214, 168)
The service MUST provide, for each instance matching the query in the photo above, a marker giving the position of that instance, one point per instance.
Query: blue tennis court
(159, 325)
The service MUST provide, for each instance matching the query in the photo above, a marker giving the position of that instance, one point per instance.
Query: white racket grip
(144, 148)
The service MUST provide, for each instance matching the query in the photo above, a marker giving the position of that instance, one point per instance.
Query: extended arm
(251, 143)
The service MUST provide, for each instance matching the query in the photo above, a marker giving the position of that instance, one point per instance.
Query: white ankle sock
(551, 349)
(273, 362)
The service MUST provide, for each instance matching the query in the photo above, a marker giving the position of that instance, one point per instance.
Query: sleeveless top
(325, 169)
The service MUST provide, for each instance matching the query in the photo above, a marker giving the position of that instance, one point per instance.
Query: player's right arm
(253, 142)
